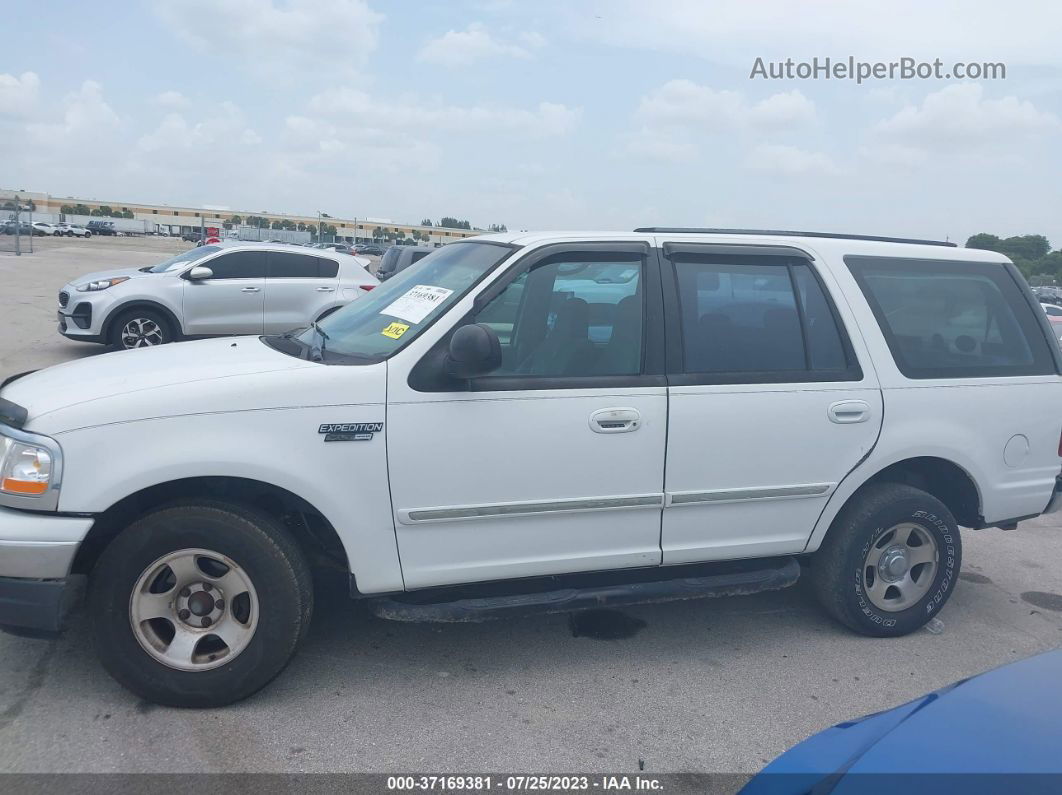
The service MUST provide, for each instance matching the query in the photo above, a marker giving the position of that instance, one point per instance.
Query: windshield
(182, 259)
(380, 323)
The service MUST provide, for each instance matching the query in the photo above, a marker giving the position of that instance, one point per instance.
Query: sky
(543, 114)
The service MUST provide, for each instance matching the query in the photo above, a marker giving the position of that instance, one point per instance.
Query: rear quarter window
(947, 319)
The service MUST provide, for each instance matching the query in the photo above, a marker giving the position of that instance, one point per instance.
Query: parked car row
(60, 229)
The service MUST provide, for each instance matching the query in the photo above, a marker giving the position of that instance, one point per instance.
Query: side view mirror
(474, 350)
(200, 272)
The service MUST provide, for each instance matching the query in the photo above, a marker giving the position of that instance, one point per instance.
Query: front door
(232, 300)
(769, 410)
(554, 462)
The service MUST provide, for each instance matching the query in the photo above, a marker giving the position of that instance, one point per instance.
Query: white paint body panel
(762, 437)
(516, 447)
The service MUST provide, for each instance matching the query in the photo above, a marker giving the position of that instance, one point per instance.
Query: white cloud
(959, 117)
(790, 161)
(675, 117)
(18, 95)
(459, 48)
(284, 41)
(172, 99)
(545, 119)
(176, 135)
(735, 32)
(683, 103)
(86, 117)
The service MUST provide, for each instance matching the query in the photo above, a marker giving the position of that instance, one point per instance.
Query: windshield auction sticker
(417, 303)
(395, 330)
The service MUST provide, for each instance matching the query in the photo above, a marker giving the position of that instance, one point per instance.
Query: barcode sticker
(417, 303)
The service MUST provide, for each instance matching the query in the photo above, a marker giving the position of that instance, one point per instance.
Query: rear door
(232, 300)
(299, 287)
(769, 405)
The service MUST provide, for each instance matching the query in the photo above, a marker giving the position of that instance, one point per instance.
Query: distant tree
(127, 214)
(497, 228)
(378, 233)
(426, 222)
(984, 241)
(234, 221)
(66, 209)
(328, 229)
(1030, 247)
(81, 209)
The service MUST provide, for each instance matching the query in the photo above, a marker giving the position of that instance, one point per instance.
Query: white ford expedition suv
(537, 422)
(227, 288)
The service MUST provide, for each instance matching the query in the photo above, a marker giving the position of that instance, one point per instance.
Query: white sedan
(44, 228)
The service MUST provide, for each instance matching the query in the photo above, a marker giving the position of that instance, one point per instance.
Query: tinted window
(570, 318)
(286, 265)
(389, 260)
(327, 268)
(239, 265)
(758, 315)
(953, 319)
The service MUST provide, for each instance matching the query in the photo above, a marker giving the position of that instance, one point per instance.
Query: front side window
(181, 260)
(396, 312)
(953, 319)
(239, 265)
(573, 316)
(758, 319)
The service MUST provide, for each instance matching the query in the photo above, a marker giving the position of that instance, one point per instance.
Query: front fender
(345, 481)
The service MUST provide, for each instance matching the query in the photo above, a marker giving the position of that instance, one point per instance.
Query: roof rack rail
(687, 230)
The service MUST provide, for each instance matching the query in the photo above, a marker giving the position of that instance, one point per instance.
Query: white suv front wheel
(200, 604)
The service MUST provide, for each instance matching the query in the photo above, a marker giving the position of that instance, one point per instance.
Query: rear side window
(285, 265)
(752, 319)
(327, 268)
(953, 319)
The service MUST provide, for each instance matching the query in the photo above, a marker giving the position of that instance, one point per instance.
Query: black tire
(255, 542)
(88, 235)
(117, 337)
(840, 578)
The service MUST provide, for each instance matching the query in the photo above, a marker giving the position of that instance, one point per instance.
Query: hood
(1004, 721)
(114, 273)
(132, 375)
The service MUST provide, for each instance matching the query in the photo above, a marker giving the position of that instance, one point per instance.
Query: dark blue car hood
(1006, 721)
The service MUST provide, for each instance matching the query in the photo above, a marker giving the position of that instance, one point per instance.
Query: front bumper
(1056, 499)
(36, 552)
(37, 606)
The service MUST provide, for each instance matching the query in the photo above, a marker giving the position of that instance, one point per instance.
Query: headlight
(102, 284)
(25, 469)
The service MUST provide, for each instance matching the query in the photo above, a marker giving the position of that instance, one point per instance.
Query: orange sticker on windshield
(395, 330)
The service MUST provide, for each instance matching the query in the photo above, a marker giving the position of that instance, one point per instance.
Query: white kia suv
(215, 290)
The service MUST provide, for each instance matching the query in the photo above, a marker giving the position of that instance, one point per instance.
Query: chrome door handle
(619, 420)
(250, 289)
(846, 412)
(326, 289)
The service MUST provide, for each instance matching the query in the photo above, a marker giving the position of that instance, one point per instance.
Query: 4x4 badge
(350, 431)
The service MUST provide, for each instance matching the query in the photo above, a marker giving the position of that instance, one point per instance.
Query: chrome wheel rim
(900, 567)
(193, 610)
(141, 332)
